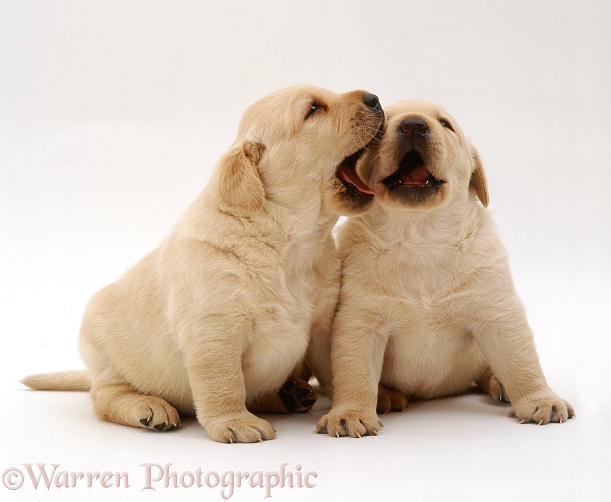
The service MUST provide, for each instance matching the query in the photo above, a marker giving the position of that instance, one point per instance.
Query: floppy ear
(240, 185)
(478, 180)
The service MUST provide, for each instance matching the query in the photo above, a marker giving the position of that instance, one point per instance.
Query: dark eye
(314, 107)
(446, 124)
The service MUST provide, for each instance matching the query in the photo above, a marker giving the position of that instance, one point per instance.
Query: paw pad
(297, 396)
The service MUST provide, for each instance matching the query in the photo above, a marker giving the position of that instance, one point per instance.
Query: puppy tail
(62, 380)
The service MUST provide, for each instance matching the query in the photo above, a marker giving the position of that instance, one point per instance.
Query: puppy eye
(313, 109)
(446, 124)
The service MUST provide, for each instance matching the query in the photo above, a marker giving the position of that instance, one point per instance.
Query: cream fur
(427, 305)
(221, 312)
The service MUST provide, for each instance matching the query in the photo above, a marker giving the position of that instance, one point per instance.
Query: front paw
(542, 409)
(349, 423)
(243, 428)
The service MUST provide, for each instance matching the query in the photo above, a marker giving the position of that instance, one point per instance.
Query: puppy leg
(390, 400)
(122, 404)
(358, 355)
(214, 367)
(507, 344)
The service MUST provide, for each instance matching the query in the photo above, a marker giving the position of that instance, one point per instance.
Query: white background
(112, 115)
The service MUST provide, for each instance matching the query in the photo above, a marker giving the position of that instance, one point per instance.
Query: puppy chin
(348, 200)
(418, 198)
(410, 198)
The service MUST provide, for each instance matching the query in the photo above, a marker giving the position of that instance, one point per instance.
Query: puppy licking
(427, 305)
(219, 315)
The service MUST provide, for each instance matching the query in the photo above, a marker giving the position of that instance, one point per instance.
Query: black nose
(372, 101)
(413, 128)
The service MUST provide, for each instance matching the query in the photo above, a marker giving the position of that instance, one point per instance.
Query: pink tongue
(416, 176)
(349, 176)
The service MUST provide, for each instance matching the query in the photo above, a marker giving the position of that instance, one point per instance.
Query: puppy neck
(449, 224)
(274, 226)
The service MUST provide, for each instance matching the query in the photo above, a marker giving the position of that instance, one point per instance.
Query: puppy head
(306, 141)
(423, 160)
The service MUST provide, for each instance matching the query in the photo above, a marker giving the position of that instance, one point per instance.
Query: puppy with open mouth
(213, 322)
(427, 304)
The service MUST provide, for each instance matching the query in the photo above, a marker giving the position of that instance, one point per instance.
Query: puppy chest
(284, 316)
(418, 271)
(277, 343)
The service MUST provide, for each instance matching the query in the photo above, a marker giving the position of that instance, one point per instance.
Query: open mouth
(412, 173)
(347, 175)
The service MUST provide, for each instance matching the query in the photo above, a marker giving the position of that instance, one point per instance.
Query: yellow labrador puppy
(427, 305)
(217, 317)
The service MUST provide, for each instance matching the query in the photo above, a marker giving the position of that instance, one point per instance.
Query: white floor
(463, 448)
(112, 116)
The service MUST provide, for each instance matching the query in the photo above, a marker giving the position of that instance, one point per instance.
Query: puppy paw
(349, 423)
(156, 414)
(490, 384)
(390, 400)
(244, 428)
(496, 389)
(297, 396)
(542, 410)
